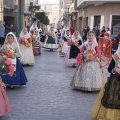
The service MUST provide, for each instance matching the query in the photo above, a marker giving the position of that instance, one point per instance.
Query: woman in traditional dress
(36, 43)
(27, 57)
(88, 75)
(66, 38)
(19, 77)
(107, 104)
(74, 49)
(34, 27)
(51, 41)
(5, 107)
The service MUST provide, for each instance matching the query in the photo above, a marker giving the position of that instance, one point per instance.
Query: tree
(40, 16)
(46, 22)
(34, 8)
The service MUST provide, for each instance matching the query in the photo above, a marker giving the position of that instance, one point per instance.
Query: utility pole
(20, 16)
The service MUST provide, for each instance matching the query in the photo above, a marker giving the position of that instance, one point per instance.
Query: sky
(49, 1)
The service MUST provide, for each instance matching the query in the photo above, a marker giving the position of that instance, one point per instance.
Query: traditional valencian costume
(61, 53)
(74, 49)
(107, 104)
(4, 101)
(36, 43)
(34, 33)
(19, 77)
(65, 46)
(51, 41)
(27, 57)
(88, 76)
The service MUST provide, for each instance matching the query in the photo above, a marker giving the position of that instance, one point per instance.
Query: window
(115, 24)
(97, 20)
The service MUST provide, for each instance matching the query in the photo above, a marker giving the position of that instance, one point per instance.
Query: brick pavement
(48, 95)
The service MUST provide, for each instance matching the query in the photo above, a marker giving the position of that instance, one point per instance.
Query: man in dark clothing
(7, 29)
(97, 31)
(87, 29)
(102, 32)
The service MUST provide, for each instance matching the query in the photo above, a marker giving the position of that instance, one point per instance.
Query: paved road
(48, 95)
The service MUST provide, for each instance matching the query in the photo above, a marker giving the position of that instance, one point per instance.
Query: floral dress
(36, 44)
(88, 76)
(4, 101)
(50, 42)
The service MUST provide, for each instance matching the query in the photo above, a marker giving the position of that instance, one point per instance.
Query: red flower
(80, 59)
(29, 40)
(21, 39)
(8, 61)
(5, 57)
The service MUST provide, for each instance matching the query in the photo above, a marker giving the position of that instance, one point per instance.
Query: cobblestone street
(48, 95)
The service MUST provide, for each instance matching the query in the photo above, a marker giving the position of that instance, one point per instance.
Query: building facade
(102, 13)
(27, 13)
(10, 13)
(52, 11)
(64, 12)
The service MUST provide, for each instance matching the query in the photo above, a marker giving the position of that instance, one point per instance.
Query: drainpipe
(20, 16)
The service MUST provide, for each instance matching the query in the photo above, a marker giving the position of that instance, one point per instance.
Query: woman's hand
(76, 44)
(117, 70)
(13, 56)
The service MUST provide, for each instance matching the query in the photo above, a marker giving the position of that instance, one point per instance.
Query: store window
(115, 24)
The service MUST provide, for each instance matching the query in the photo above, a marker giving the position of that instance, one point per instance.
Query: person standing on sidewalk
(8, 28)
(97, 31)
(2, 33)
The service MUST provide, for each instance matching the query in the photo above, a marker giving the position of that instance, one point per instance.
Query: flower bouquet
(90, 54)
(21, 40)
(26, 43)
(8, 52)
(33, 38)
(51, 34)
(81, 58)
(76, 43)
(6, 66)
(84, 57)
(29, 40)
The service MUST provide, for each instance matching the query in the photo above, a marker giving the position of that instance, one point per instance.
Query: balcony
(85, 3)
(10, 5)
(26, 9)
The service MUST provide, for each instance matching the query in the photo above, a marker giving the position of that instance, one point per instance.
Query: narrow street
(48, 95)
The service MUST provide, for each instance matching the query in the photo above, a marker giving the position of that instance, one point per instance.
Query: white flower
(3, 66)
